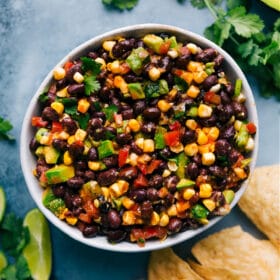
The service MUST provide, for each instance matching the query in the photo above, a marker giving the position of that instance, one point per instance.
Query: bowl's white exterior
(28, 161)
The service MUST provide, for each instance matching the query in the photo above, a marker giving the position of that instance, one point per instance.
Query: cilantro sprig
(5, 128)
(120, 4)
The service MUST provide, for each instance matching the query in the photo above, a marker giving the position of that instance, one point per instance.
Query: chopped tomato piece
(172, 138)
(153, 166)
(175, 125)
(164, 47)
(57, 127)
(142, 167)
(140, 235)
(38, 122)
(118, 119)
(123, 155)
(178, 72)
(184, 50)
(212, 97)
(140, 182)
(68, 65)
(85, 218)
(251, 128)
(90, 209)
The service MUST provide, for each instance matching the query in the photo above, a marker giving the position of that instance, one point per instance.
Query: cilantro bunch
(120, 4)
(5, 127)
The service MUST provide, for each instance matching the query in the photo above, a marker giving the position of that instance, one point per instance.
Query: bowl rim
(101, 242)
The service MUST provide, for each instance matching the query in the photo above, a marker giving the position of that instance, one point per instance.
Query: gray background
(34, 36)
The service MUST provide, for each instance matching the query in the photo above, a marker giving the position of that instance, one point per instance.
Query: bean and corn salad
(142, 138)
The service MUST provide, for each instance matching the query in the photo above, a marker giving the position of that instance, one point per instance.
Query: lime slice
(2, 203)
(38, 252)
(3, 261)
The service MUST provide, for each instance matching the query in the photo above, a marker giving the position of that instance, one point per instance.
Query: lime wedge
(3, 261)
(38, 252)
(2, 203)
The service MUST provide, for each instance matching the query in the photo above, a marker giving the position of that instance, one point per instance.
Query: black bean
(152, 194)
(76, 150)
(76, 89)
(132, 78)
(128, 173)
(70, 72)
(139, 107)
(75, 182)
(90, 231)
(175, 225)
(100, 115)
(171, 183)
(59, 190)
(192, 170)
(211, 121)
(233, 156)
(169, 77)
(240, 110)
(115, 101)
(122, 48)
(210, 81)
(116, 236)
(188, 136)
(108, 177)
(227, 132)
(111, 161)
(114, 219)
(149, 128)
(76, 201)
(224, 112)
(69, 125)
(225, 97)
(183, 60)
(106, 93)
(79, 173)
(194, 199)
(135, 149)
(197, 159)
(60, 145)
(104, 207)
(156, 181)
(218, 60)
(127, 114)
(123, 138)
(92, 55)
(151, 114)
(206, 55)
(33, 144)
(68, 199)
(49, 114)
(165, 63)
(92, 154)
(146, 209)
(168, 200)
(230, 89)
(222, 147)
(166, 153)
(203, 172)
(99, 133)
(41, 168)
(95, 123)
(138, 195)
(217, 171)
(89, 175)
(80, 165)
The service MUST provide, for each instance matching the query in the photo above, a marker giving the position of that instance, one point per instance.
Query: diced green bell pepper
(153, 41)
(53, 203)
(199, 212)
(237, 87)
(105, 149)
(110, 111)
(136, 91)
(136, 58)
(228, 195)
(185, 183)
(242, 136)
(159, 138)
(91, 189)
(182, 161)
(41, 132)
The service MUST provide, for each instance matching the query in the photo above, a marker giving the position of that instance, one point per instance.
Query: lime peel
(38, 252)
(2, 203)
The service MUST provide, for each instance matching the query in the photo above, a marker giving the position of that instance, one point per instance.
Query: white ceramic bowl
(28, 161)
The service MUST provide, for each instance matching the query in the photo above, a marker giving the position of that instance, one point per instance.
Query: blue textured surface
(34, 36)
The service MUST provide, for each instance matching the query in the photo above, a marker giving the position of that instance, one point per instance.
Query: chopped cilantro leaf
(5, 127)
(91, 65)
(121, 4)
(91, 85)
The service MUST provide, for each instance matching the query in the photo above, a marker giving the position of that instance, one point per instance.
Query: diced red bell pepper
(251, 128)
(68, 65)
(90, 209)
(140, 182)
(140, 235)
(85, 218)
(212, 97)
(172, 138)
(56, 127)
(184, 50)
(164, 47)
(142, 167)
(153, 166)
(38, 122)
(123, 155)
(118, 119)
(175, 125)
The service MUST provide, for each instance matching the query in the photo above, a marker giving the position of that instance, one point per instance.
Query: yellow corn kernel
(63, 214)
(250, 145)
(67, 160)
(202, 149)
(199, 77)
(204, 111)
(194, 66)
(240, 173)
(140, 143)
(213, 133)
(237, 125)
(188, 193)
(163, 192)
(102, 62)
(172, 211)
(191, 124)
(173, 53)
(114, 67)
(178, 148)
(134, 125)
(187, 76)
(172, 166)
(58, 107)
(105, 192)
(205, 190)
(78, 77)
(206, 129)
(71, 139)
(120, 83)
(127, 202)
(192, 47)
(148, 146)
(154, 74)
(83, 105)
(94, 165)
(164, 220)
(166, 173)
(193, 91)
(62, 93)
(182, 206)
(154, 219)
(119, 188)
(163, 105)
(80, 134)
(63, 135)
(209, 204)
(108, 45)
(59, 73)
(96, 203)
(208, 158)
(204, 221)
(172, 93)
(128, 218)
(202, 138)
(191, 149)
(133, 159)
(71, 220)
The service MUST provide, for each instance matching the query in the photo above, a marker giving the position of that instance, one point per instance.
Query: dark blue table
(34, 36)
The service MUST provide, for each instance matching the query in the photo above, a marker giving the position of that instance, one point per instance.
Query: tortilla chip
(261, 201)
(166, 265)
(238, 252)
